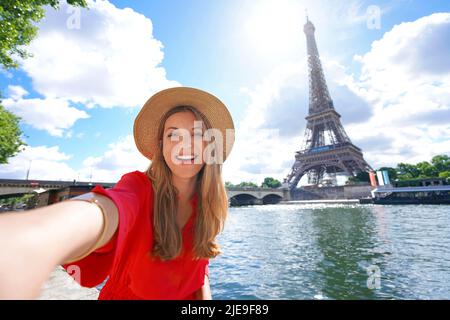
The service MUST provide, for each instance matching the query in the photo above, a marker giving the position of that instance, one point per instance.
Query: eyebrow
(178, 128)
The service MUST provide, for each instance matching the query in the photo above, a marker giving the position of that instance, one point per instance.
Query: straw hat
(147, 121)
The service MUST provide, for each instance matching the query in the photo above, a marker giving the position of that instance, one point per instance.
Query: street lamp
(29, 168)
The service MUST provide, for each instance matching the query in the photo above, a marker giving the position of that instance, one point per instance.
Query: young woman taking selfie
(152, 234)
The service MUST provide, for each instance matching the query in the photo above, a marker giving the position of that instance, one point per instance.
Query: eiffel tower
(326, 150)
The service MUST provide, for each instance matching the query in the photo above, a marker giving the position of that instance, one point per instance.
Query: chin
(186, 172)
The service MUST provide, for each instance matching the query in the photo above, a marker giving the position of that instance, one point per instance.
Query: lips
(186, 159)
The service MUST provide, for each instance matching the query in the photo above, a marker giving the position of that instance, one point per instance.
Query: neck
(185, 187)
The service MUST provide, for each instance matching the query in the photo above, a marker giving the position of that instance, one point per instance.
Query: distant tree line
(268, 182)
(439, 167)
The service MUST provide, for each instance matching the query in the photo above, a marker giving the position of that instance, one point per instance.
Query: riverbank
(61, 286)
(333, 201)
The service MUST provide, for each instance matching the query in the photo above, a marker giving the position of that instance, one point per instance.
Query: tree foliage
(18, 19)
(10, 135)
(439, 167)
(247, 184)
(270, 182)
(360, 177)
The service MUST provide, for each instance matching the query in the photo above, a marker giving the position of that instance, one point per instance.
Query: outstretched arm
(36, 241)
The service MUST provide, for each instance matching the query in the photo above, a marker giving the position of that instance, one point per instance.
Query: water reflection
(348, 240)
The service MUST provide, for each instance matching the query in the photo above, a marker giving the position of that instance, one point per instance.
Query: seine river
(333, 252)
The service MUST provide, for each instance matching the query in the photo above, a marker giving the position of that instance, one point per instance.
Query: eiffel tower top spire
(319, 96)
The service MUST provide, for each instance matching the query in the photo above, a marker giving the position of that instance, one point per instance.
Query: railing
(323, 148)
(48, 183)
(252, 189)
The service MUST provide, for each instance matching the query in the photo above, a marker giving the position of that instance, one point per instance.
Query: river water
(296, 251)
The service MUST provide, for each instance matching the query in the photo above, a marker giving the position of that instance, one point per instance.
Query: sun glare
(275, 26)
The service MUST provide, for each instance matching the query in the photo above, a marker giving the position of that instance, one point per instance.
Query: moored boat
(439, 194)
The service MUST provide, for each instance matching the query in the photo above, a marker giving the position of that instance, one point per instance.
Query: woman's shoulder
(136, 176)
(135, 180)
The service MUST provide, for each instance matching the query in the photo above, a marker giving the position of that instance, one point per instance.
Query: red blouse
(132, 273)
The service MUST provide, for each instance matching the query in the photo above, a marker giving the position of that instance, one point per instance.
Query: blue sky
(84, 86)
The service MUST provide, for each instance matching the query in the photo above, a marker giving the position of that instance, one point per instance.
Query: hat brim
(148, 120)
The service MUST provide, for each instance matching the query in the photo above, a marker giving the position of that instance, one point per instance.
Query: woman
(154, 232)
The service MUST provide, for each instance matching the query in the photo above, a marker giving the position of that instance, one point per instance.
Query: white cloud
(120, 158)
(258, 150)
(111, 60)
(273, 126)
(45, 163)
(270, 32)
(406, 76)
(53, 115)
(49, 163)
(17, 92)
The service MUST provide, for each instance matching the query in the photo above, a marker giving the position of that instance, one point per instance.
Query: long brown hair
(212, 203)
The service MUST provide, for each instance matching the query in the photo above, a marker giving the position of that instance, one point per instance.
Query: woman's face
(183, 144)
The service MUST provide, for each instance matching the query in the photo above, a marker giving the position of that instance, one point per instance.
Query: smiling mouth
(187, 159)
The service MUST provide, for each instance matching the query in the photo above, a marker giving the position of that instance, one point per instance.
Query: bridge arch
(271, 198)
(244, 199)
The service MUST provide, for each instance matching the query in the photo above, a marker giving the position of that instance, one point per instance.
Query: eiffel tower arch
(327, 150)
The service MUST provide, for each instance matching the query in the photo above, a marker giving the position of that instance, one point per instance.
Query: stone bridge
(237, 195)
(248, 195)
(15, 188)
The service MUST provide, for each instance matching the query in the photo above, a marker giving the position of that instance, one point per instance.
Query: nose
(190, 144)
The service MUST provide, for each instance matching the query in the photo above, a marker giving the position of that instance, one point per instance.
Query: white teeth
(185, 157)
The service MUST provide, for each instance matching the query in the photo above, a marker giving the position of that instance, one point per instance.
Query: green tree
(444, 174)
(360, 177)
(270, 182)
(427, 170)
(18, 19)
(247, 184)
(10, 133)
(228, 184)
(406, 171)
(441, 163)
